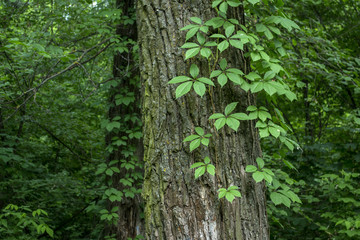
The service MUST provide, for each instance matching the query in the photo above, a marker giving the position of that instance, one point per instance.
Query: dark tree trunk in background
(309, 129)
(126, 72)
(176, 205)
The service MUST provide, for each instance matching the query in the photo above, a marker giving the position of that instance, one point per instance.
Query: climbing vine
(260, 42)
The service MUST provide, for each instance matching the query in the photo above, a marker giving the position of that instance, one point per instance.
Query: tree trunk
(176, 205)
(125, 72)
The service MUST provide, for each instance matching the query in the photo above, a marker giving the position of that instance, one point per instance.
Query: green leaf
(268, 178)
(264, 132)
(194, 70)
(236, 43)
(250, 168)
(235, 70)
(234, 3)
(229, 196)
(260, 27)
(252, 76)
(200, 171)
(255, 56)
(183, 88)
(198, 164)
(233, 123)
(269, 89)
(223, 7)
(251, 108)
(288, 24)
(268, 171)
(275, 30)
(190, 26)
(222, 192)
(268, 34)
(217, 36)
(263, 115)
(191, 53)
(236, 193)
(199, 88)
(265, 57)
(210, 44)
(195, 144)
(219, 123)
(290, 95)
(222, 79)
(276, 67)
(274, 131)
(205, 141)
(216, 116)
(235, 78)
(206, 81)
(285, 200)
(190, 138)
(257, 87)
(179, 79)
(276, 198)
(240, 116)
(205, 52)
(190, 45)
(294, 197)
(229, 30)
(215, 73)
(223, 45)
(269, 75)
(260, 162)
(115, 169)
(216, 3)
(191, 32)
(215, 22)
(50, 232)
(230, 107)
(254, 115)
(196, 20)
(199, 131)
(258, 176)
(223, 64)
(109, 172)
(210, 169)
(253, 2)
(110, 126)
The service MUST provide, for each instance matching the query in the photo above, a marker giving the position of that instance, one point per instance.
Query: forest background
(60, 129)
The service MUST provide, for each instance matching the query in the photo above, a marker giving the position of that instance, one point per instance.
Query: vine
(261, 43)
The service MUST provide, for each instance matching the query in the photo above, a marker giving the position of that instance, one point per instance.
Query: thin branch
(70, 67)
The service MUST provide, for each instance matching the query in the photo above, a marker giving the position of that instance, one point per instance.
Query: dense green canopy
(56, 85)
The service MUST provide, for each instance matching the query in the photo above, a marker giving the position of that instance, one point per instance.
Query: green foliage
(195, 82)
(15, 221)
(230, 193)
(324, 76)
(203, 167)
(266, 76)
(56, 76)
(231, 120)
(196, 140)
(260, 173)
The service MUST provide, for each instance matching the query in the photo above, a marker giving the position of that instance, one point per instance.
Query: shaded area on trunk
(125, 72)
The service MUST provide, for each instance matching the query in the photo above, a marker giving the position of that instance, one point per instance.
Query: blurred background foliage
(324, 64)
(56, 76)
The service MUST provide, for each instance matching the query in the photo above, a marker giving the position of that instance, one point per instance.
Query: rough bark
(125, 71)
(176, 205)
